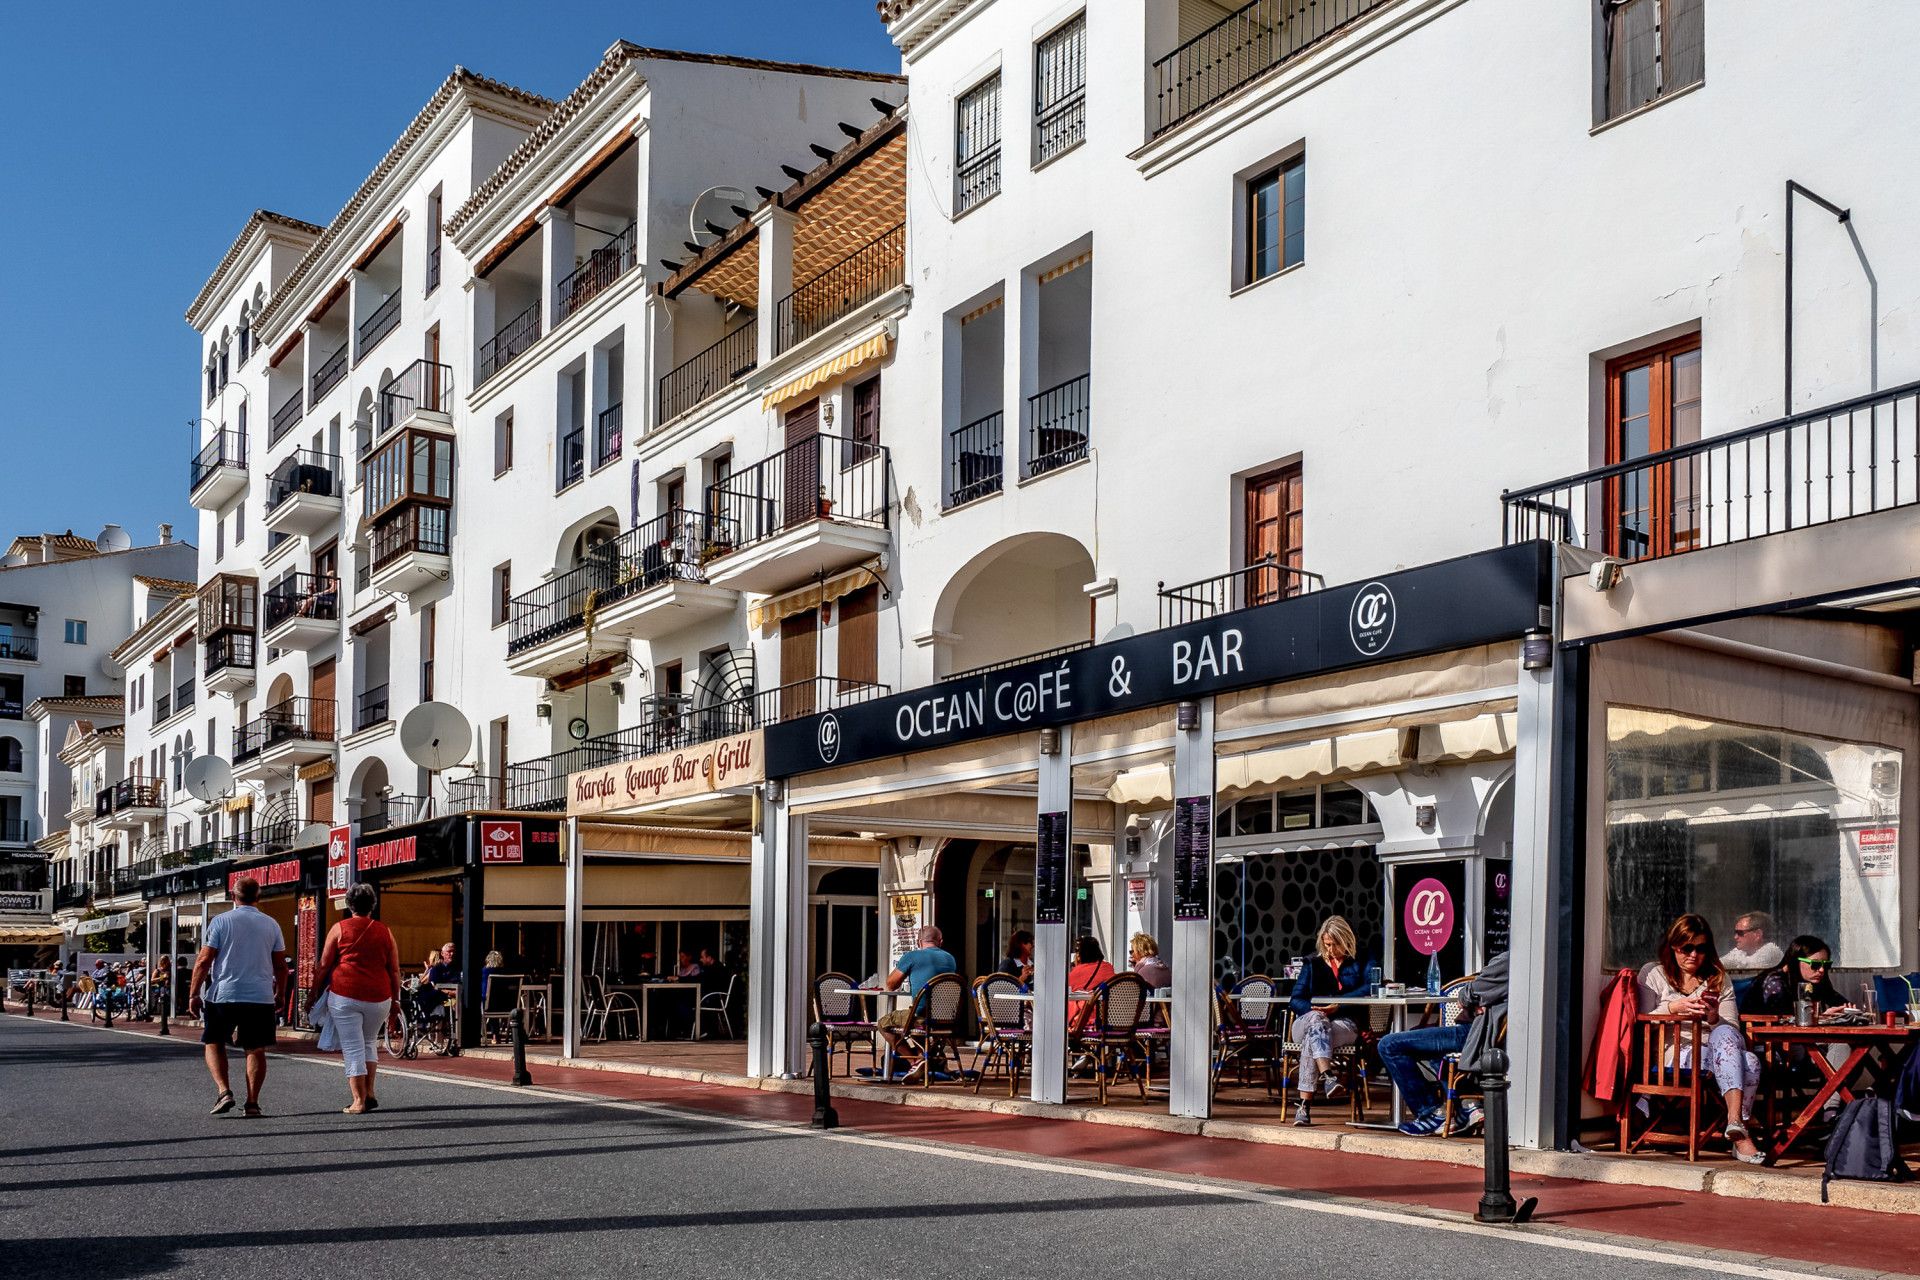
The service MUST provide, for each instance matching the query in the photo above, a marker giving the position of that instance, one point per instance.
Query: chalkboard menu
(1050, 870)
(1499, 907)
(1193, 858)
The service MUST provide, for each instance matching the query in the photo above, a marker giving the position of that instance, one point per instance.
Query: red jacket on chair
(1608, 1063)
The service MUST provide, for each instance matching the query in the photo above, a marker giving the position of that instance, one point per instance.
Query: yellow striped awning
(874, 348)
(766, 615)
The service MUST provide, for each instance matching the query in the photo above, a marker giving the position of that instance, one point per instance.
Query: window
(1332, 804)
(502, 593)
(976, 150)
(76, 630)
(433, 240)
(74, 686)
(12, 758)
(863, 429)
(429, 630)
(1060, 91)
(1653, 49)
(1275, 523)
(503, 443)
(1276, 220)
(239, 522)
(860, 637)
(246, 335)
(1653, 404)
(219, 537)
(673, 494)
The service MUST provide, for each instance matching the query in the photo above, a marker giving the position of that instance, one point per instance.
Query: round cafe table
(1398, 1005)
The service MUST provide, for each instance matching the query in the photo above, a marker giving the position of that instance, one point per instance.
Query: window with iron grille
(976, 150)
(1653, 48)
(1060, 91)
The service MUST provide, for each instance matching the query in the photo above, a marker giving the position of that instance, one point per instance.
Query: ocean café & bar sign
(720, 765)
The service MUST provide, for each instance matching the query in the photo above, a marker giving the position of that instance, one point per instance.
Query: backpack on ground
(1862, 1145)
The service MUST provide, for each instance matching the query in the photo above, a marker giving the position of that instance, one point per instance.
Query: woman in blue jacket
(1319, 1032)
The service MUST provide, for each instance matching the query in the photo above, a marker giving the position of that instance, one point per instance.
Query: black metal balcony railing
(414, 528)
(383, 321)
(707, 374)
(806, 697)
(1058, 422)
(19, 648)
(1830, 464)
(476, 791)
(867, 273)
(183, 695)
(570, 453)
(669, 547)
(327, 374)
(304, 471)
(16, 830)
(285, 418)
(225, 449)
(433, 267)
(802, 483)
(294, 720)
(603, 266)
(303, 595)
(1242, 46)
(1020, 660)
(162, 707)
(392, 810)
(77, 894)
(1060, 126)
(370, 707)
(229, 649)
(607, 435)
(422, 387)
(974, 459)
(513, 337)
(126, 880)
(977, 180)
(1261, 582)
(138, 793)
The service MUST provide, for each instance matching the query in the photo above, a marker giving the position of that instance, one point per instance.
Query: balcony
(1240, 48)
(393, 810)
(285, 418)
(133, 803)
(411, 548)
(230, 662)
(219, 471)
(420, 395)
(512, 338)
(570, 453)
(594, 276)
(16, 831)
(227, 618)
(1058, 422)
(302, 611)
(974, 459)
(304, 493)
(327, 374)
(645, 584)
(706, 375)
(857, 280)
(1262, 582)
(607, 435)
(294, 732)
(72, 896)
(816, 507)
(370, 707)
(19, 648)
(384, 320)
(476, 792)
(162, 708)
(183, 695)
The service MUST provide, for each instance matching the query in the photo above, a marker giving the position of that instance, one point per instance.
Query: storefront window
(1725, 820)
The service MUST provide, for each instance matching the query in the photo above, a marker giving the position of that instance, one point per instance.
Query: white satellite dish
(312, 836)
(436, 736)
(208, 778)
(715, 205)
(1118, 632)
(113, 538)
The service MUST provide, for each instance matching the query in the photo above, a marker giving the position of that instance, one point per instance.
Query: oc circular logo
(828, 738)
(1371, 620)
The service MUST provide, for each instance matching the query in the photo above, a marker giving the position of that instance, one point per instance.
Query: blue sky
(142, 136)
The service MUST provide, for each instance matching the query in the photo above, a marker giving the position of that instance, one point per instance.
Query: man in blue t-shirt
(239, 983)
(915, 968)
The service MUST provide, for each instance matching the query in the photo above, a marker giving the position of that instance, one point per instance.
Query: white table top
(1411, 997)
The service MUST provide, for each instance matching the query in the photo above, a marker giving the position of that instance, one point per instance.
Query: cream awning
(30, 935)
(766, 615)
(874, 348)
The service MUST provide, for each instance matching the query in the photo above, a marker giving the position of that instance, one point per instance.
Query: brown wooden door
(324, 717)
(800, 483)
(1274, 520)
(799, 663)
(860, 636)
(320, 801)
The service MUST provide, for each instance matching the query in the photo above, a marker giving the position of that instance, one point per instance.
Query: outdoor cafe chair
(1680, 1110)
(1004, 1037)
(498, 1001)
(1349, 1062)
(934, 1021)
(1253, 1022)
(844, 1021)
(1451, 1075)
(1111, 1033)
(717, 1004)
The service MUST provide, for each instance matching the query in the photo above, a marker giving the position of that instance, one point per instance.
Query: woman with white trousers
(360, 978)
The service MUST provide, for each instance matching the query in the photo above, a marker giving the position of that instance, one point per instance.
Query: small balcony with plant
(227, 627)
(133, 803)
(818, 506)
(305, 494)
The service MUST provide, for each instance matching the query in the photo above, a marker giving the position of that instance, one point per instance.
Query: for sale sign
(501, 842)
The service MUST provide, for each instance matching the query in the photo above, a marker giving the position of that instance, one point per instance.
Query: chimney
(166, 533)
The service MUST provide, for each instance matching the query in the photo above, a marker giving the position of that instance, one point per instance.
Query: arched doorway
(1018, 597)
(982, 894)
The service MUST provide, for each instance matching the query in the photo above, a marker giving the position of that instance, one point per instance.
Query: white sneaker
(1301, 1117)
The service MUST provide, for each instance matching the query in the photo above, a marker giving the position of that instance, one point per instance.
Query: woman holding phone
(1687, 980)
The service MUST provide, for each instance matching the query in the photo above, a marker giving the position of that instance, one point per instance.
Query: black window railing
(304, 471)
(603, 266)
(1261, 582)
(424, 386)
(19, 648)
(667, 548)
(433, 267)
(1058, 421)
(975, 459)
(976, 170)
(303, 595)
(77, 894)
(392, 810)
(225, 449)
(183, 695)
(327, 374)
(1242, 46)
(607, 435)
(384, 319)
(370, 707)
(699, 379)
(867, 273)
(413, 529)
(570, 456)
(229, 650)
(802, 483)
(294, 720)
(162, 707)
(1060, 91)
(513, 337)
(138, 793)
(285, 418)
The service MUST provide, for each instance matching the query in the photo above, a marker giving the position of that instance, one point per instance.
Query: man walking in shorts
(242, 969)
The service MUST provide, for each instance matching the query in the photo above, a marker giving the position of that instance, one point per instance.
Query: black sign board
(1050, 870)
(1499, 908)
(194, 879)
(1478, 599)
(1433, 895)
(1193, 858)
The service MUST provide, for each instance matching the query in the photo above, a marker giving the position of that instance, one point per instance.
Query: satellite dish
(1119, 632)
(436, 736)
(110, 667)
(312, 836)
(208, 778)
(113, 538)
(715, 205)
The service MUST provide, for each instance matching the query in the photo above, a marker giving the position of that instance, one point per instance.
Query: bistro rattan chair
(1111, 1033)
(934, 1021)
(1349, 1062)
(1252, 1023)
(844, 1020)
(1004, 1036)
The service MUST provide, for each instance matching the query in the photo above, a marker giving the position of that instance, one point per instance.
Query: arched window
(11, 756)
(177, 764)
(246, 332)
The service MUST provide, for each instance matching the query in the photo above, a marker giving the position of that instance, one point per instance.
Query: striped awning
(766, 615)
(830, 371)
(31, 935)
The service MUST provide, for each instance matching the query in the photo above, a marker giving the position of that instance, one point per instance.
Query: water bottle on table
(1433, 974)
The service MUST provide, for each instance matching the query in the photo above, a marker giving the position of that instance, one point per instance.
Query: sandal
(1736, 1133)
(223, 1103)
(252, 1111)
(355, 1109)
(373, 1103)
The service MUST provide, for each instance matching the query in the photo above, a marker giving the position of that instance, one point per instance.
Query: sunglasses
(1816, 964)
(1691, 949)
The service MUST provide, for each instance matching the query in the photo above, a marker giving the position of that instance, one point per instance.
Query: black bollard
(824, 1116)
(31, 983)
(1496, 1200)
(520, 1074)
(166, 1003)
(103, 1001)
(65, 999)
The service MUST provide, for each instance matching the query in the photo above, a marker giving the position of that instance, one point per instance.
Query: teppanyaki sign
(739, 761)
(1478, 599)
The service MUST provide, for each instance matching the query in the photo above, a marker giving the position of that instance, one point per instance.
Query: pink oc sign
(1428, 919)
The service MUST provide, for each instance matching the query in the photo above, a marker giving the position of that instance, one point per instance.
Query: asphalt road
(112, 1168)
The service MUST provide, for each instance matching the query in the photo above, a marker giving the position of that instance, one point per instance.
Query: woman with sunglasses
(1808, 960)
(1688, 979)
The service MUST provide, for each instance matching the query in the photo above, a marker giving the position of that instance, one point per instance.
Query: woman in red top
(360, 974)
(1089, 971)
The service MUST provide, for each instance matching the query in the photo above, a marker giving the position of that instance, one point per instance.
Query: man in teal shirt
(915, 968)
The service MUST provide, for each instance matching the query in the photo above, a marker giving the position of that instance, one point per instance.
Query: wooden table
(1871, 1049)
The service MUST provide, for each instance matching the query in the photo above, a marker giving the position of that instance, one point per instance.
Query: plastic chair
(846, 1026)
(1004, 1037)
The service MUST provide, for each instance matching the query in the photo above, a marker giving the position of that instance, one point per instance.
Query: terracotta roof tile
(177, 586)
(228, 263)
(92, 702)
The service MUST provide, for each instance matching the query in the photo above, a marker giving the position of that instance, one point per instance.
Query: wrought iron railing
(867, 273)
(233, 649)
(76, 894)
(414, 528)
(975, 459)
(607, 435)
(16, 830)
(293, 720)
(603, 266)
(285, 418)
(1830, 464)
(393, 810)
(1261, 582)
(183, 695)
(709, 373)
(225, 449)
(802, 483)
(162, 707)
(977, 180)
(304, 471)
(669, 547)
(570, 456)
(433, 267)
(19, 648)
(303, 595)
(474, 792)
(1241, 47)
(1004, 663)
(138, 793)
(370, 707)
(384, 320)
(800, 698)
(1058, 422)
(424, 386)
(513, 337)
(328, 373)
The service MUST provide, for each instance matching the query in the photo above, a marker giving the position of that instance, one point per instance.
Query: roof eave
(264, 227)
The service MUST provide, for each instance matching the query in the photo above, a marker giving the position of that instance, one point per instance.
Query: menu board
(1499, 907)
(1050, 870)
(1193, 858)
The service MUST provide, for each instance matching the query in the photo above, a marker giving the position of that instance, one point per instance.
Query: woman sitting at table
(1321, 1031)
(1018, 962)
(1808, 960)
(1090, 969)
(1688, 980)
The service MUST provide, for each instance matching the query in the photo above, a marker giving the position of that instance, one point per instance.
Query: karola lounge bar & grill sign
(723, 764)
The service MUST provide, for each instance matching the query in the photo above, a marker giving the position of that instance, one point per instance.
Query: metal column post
(1190, 1051)
(1050, 938)
(1536, 976)
(573, 868)
(766, 925)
